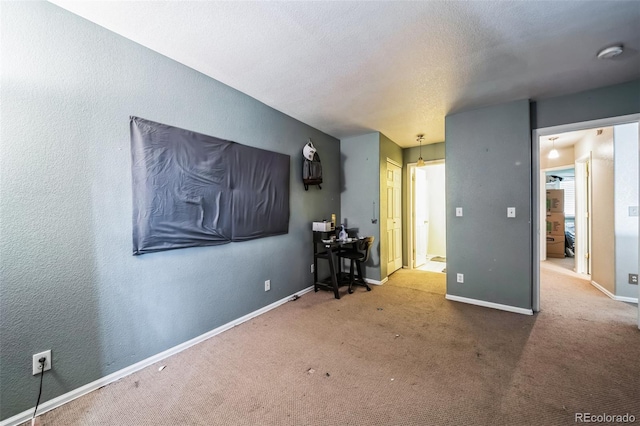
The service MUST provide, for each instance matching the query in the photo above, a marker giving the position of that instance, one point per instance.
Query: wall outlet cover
(460, 278)
(36, 362)
(459, 211)
(633, 278)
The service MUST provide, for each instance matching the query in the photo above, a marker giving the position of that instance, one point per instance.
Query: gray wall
(626, 195)
(388, 150)
(430, 152)
(611, 101)
(360, 190)
(488, 168)
(69, 281)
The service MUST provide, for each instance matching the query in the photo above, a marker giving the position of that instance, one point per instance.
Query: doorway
(582, 159)
(427, 217)
(561, 215)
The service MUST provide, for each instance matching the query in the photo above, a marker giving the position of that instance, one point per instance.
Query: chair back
(365, 245)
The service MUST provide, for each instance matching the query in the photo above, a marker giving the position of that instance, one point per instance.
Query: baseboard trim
(613, 296)
(627, 299)
(492, 305)
(375, 282)
(103, 381)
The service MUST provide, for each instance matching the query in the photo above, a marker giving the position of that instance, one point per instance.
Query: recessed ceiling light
(610, 52)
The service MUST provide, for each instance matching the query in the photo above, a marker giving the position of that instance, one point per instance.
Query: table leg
(332, 271)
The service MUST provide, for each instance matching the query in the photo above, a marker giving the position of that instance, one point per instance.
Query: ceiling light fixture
(420, 160)
(610, 52)
(554, 152)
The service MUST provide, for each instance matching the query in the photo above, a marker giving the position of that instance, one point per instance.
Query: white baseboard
(492, 305)
(374, 282)
(613, 296)
(627, 299)
(103, 381)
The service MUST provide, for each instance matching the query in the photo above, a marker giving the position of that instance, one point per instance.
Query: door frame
(543, 194)
(535, 190)
(410, 212)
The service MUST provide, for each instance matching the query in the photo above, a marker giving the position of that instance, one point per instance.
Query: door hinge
(586, 256)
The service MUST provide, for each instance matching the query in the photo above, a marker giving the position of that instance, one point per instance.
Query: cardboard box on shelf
(555, 245)
(555, 224)
(555, 201)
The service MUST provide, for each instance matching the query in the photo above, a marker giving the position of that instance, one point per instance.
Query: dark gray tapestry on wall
(191, 189)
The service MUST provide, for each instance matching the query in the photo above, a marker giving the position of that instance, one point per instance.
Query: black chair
(358, 256)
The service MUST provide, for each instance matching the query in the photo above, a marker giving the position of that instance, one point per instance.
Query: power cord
(42, 361)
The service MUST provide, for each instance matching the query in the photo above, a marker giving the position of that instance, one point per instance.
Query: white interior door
(394, 217)
(436, 202)
(421, 217)
(582, 228)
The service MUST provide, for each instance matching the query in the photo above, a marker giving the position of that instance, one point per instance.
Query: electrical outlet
(267, 285)
(36, 362)
(633, 278)
(312, 268)
(459, 211)
(460, 278)
(511, 212)
(633, 210)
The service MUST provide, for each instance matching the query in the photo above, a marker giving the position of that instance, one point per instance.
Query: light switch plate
(459, 211)
(511, 212)
(633, 210)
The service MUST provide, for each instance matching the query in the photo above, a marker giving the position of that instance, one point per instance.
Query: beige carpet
(398, 355)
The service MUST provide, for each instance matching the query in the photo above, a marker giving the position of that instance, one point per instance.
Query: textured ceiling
(349, 68)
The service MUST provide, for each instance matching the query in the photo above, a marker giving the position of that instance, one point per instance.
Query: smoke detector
(610, 52)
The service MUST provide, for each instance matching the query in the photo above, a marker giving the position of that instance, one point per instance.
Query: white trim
(103, 381)
(613, 296)
(602, 289)
(537, 231)
(395, 163)
(492, 305)
(627, 299)
(408, 213)
(368, 280)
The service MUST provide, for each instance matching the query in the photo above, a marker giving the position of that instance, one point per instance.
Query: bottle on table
(343, 233)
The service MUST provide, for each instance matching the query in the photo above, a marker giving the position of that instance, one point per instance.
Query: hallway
(569, 294)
